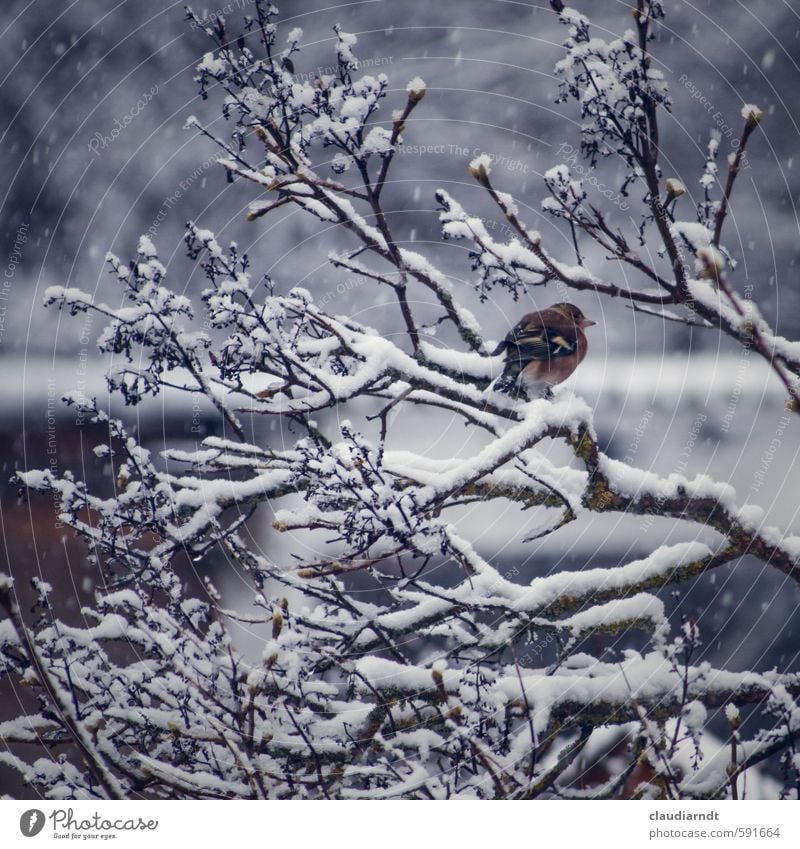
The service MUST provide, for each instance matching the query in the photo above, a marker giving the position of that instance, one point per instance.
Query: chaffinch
(542, 349)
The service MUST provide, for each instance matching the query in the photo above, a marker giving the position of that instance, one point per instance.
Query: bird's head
(573, 314)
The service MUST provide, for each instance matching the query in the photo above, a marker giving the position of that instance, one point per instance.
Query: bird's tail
(508, 383)
(511, 382)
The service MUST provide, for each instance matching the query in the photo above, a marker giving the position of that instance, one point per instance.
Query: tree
(428, 687)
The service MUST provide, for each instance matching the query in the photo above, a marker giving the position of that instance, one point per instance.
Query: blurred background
(93, 100)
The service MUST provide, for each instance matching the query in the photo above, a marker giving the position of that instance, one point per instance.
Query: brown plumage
(542, 349)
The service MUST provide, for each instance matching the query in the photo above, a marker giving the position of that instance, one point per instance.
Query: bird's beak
(587, 322)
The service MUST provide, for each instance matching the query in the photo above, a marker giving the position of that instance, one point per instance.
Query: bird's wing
(540, 343)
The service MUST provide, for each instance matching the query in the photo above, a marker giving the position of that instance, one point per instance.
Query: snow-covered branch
(399, 659)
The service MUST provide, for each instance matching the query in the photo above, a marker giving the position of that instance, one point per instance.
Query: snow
(694, 716)
(377, 141)
(416, 680)
(539, 417)
(732, 713)
(752, 114)
(631, 482)
(696, 234)
(416, 89)
(618, 613)
(386, 674)
(663, 562)
(66, 294)
(481, 165)
(675, 187)
(212, 65)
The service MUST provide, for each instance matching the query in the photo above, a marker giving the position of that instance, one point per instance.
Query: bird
(542, 350)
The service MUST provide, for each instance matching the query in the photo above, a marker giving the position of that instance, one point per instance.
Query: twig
(733, 171)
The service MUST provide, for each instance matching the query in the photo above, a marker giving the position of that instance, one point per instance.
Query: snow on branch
(398, 658)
